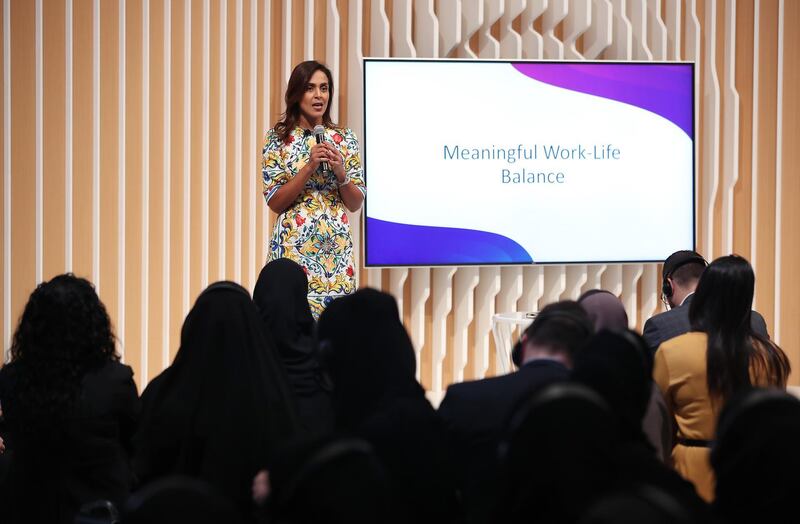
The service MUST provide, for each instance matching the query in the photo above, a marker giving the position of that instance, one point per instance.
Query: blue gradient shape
(394, 244)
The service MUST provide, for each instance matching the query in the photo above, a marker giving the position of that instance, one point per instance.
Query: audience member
(69, 407)
(476, 413)
(608, 312)
(223, 407)
(281, 295)
(371, 362)
(332, 480)
(619, 367)
(644, 504)
(559, 457)
(605, 310)
(179, 499)
(680, 275)
(756, 458)
(698, 371)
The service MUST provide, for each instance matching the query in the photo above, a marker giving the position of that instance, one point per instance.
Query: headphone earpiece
(675, 261)
(666, 288)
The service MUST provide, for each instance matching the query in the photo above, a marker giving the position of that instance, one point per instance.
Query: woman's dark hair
(296, 88)
(63, 332)
(721, 308)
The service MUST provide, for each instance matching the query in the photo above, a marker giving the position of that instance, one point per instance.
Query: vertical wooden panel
(109, 156)
(5, 165)
(200, 152)
(233, 244)
(134, 171)
(789, 283)
(23, 149)
(744, 84)
(718, 63)
(217, 138)
(82, 138)
(264, 123)
(766, 143)
(250, 159)
(178, 143)
(156, 198)
(228, 143)
(54, 234)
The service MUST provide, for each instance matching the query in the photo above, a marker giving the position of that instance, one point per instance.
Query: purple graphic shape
(394, 244)
(664, 89)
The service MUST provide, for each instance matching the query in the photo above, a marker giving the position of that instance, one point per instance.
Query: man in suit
(476, 413)
(680, 275)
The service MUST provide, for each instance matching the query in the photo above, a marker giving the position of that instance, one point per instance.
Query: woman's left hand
(336, 161)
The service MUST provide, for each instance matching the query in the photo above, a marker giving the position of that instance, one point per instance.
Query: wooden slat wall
(131, 136)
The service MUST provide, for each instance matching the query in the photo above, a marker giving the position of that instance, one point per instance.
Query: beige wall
(131, 136)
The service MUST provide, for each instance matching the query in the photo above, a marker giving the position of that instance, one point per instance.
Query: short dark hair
(683, 267)
(688, 273)
(563, 326)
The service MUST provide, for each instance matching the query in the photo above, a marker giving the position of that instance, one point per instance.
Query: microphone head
(319, 131)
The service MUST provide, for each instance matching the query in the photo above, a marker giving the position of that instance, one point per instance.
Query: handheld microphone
(319, 134)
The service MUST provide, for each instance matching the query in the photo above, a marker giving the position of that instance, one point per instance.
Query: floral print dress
(314, 231)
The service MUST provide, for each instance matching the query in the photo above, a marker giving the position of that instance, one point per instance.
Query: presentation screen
(474, 162)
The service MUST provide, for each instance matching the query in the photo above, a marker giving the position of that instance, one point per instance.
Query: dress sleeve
(273, 167)
(352, 160)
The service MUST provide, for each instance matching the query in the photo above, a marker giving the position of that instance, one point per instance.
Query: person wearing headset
(680, 276)
(476, 413)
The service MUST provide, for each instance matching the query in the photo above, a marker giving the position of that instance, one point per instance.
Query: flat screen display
(473, 162)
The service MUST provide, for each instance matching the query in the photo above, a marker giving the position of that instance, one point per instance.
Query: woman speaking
(312, 171)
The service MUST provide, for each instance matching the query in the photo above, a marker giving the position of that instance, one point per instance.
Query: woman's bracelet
(345, 182)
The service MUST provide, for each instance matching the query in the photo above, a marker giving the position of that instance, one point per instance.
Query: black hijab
(281, 295)
(371, 362)
(368, 354)
(756, 457)
(618, 366)
(559, 456)
(223, 406)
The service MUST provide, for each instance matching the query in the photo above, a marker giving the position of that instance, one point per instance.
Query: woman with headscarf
(223, 407)
(558, 457)
(69, 407)
(607, 312)
(756, 458)
(618, 366)
(281, 297)
(371, 363)
(722, 356)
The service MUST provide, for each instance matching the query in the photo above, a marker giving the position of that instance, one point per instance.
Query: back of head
(329, 480)
(558, 457)
(179, 499)
(561, 327)
(684, 269)
(755, 457)
(721, 308)
(281, 295)
(367, 353)
(644, 504)
(64, 331)
(605, 310)
(618, 366)
(224, 391)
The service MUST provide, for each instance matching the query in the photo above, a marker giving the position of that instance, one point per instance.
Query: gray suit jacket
(675, 322)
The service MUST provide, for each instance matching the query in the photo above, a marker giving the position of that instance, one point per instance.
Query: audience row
(266, 416)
